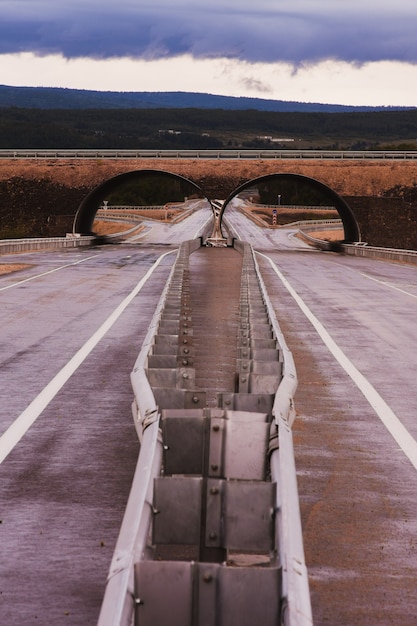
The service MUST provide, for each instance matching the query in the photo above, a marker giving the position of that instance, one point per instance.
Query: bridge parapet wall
(55, 187)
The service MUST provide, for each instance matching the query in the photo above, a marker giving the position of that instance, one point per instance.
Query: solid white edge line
(21, 425)
(201, 228)
(387, 416)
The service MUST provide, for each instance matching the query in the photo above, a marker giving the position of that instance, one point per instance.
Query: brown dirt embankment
(356, 177)
(103, 227)
(8, 268)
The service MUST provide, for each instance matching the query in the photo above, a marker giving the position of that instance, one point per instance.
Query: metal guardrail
(119, 602)
(44, 243)
(296, 590)
(312, 225)
(115, 208)
(360, 248)
(390, 254)
(299, 207)
(53, 243)
(210, 154)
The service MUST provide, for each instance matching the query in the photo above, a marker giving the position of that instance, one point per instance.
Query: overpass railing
(210, 154)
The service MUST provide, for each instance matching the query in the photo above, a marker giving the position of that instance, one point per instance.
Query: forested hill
(58, 98)
(40, 117)
(196, 128)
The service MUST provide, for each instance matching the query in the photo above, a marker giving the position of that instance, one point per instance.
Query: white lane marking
(56, 269)
(201, 228)
(21, 425)
(377, 280)
(144, 233)
(387, 416)
(383, 282)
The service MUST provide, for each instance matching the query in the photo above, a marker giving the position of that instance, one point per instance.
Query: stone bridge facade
(45, 194)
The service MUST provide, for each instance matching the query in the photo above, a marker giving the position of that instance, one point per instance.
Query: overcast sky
(338, 51)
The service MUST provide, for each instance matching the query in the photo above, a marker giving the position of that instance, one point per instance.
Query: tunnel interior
(287, 198)
(149, 193)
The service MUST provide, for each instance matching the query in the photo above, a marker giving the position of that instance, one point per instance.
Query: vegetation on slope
(22, 128)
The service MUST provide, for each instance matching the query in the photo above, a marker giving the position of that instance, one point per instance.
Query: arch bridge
(380, 190)
(158, 187)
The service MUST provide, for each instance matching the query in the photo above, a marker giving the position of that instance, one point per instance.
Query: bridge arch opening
(152, 193)
(287, 198)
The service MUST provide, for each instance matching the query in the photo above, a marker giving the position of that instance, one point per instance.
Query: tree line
(23, 128)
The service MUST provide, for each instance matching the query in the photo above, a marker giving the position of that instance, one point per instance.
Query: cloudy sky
(333, 51)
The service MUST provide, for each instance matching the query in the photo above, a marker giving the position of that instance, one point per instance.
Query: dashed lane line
(387, 416)
(389, 285)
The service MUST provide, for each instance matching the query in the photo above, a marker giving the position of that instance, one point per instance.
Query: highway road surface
(72, 324)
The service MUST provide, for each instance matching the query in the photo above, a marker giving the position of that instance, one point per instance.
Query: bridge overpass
(47, 187)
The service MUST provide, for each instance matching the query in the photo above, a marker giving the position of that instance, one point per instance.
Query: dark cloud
(253, 84)
(273, 30)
